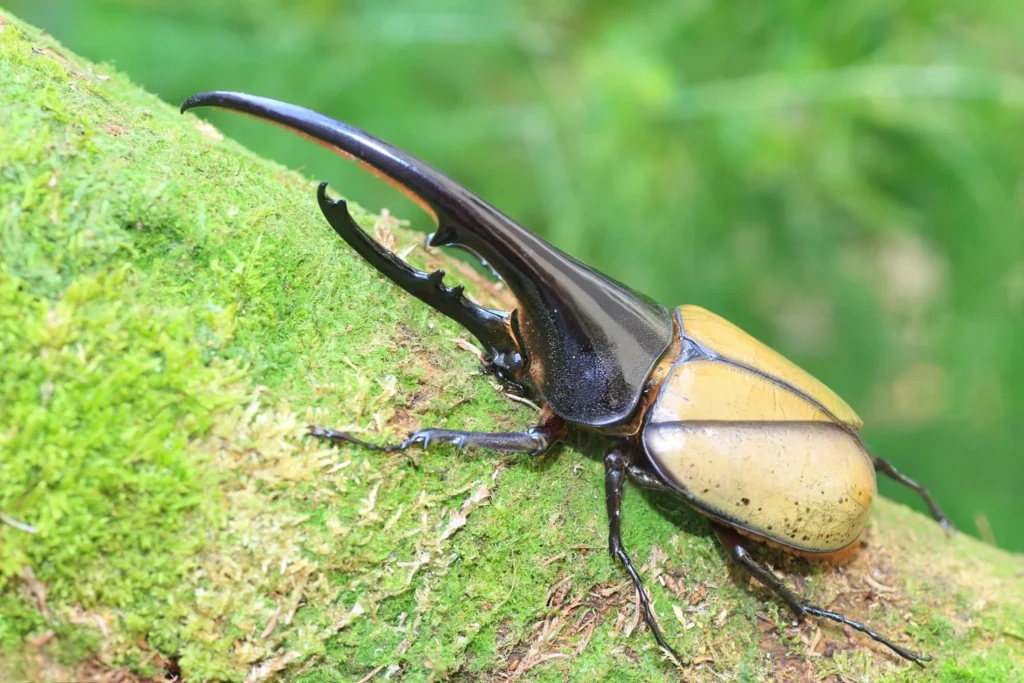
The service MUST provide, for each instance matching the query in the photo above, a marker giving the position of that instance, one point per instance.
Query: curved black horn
(588, 342)
(490, 327)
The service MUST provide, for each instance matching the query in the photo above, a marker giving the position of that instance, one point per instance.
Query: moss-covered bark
(173, 310)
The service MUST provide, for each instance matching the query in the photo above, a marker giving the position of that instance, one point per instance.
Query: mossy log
(173, 311)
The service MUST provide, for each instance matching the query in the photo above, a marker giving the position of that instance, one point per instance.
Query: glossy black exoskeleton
(593, 351)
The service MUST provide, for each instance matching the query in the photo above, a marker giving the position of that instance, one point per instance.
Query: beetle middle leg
(885, 467)
(535, 440)
(616, 467)
(645, 480)
(733, 544)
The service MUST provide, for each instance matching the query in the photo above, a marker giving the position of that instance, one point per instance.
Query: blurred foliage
(842, 179)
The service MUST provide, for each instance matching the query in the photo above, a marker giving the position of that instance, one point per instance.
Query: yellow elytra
(757, 443)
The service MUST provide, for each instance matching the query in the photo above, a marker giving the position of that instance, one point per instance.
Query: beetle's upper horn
(590, 341)
(451, 205)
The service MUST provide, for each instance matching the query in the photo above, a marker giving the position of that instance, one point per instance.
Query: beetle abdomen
(753, 440)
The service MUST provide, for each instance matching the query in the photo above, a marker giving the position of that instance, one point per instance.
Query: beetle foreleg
(535, 440)
(885, 467)
(733, 544)
(615, 469)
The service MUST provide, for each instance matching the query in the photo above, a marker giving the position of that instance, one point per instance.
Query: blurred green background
(842, 179)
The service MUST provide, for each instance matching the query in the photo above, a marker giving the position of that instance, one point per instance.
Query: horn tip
(210, 98)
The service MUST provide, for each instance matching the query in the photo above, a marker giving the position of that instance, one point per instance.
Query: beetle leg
(733, 544)
(615, 468)
(645, 480)
(489, 326)
(885, 467)
(535, 440)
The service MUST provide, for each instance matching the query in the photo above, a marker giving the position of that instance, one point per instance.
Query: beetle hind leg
(885, 467)
(616, 468)
(733, 544)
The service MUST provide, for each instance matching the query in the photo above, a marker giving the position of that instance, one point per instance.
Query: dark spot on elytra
(745, 501)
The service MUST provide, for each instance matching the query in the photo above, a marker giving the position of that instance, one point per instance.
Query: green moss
(102, 395)
(174, 312)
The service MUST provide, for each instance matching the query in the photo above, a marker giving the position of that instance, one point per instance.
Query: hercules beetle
(692, 406)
